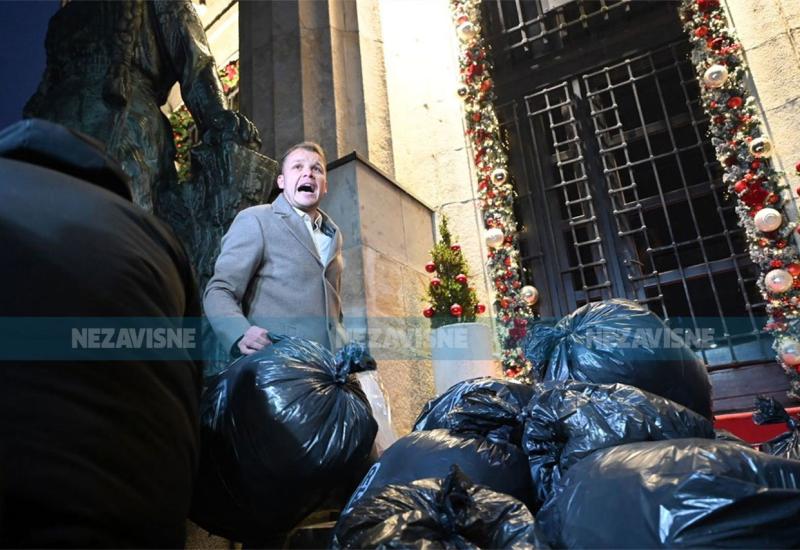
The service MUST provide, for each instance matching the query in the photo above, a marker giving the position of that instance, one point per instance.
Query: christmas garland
(496, 194)
(744, 151)
(184, 130)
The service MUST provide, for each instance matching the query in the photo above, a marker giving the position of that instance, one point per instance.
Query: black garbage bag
(488, 456)
(681, 493)
(568, 421)
(618, 341)
(437, 513)
(436, 412)
(786, 445)
(283, 430)
(725, 435)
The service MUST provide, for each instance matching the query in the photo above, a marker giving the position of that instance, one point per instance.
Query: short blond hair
(312, 146)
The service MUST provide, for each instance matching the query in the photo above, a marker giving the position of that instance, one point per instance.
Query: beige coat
(269, 274)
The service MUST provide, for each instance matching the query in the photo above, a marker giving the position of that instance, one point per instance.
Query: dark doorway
(620, 193)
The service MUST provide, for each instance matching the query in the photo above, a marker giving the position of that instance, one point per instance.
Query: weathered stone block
(775, 70)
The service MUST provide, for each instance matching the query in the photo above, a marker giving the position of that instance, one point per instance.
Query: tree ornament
(455, 310)
(707, 5)
(768, 219)
(436, 282)
(530, 294)
(462, 92)
(789, 351)
(504, 303)
(778, 281)
(428, 312)
(500, 175)
(793, 269)
(480, 308)
(761, 147)
(466, 31)
(430, 267)
(715, 76)
(455, 247)
(461, 279)
(494, 237)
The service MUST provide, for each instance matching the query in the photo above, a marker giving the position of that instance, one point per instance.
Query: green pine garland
(743, 149)
(495, 188)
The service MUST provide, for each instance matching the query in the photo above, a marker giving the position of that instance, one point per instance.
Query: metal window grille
(620, 193)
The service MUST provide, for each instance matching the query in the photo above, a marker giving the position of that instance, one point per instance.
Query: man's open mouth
(305, 188)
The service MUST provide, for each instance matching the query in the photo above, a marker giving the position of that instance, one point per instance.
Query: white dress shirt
(321, 240)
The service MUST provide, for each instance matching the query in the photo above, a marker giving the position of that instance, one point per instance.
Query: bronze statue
(111, 65)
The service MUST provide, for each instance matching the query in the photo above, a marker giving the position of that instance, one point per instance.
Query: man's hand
(253, 340)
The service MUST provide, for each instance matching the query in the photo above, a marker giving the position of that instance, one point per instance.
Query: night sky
(23, 25)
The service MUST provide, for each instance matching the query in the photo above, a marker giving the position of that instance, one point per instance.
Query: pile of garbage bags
(614, 447)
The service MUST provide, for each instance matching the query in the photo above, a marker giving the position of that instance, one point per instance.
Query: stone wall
(387, 235)
(769, 31)
(431, 158)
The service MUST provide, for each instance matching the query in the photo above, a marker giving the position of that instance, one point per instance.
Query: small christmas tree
(451, 299)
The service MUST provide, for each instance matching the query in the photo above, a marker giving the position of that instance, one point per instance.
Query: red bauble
(740, 186)
(781, 244)
(507, 261)
(720, 119)
(754, 196)
(701, 31)
(776, 264)
(461, 278)
(516, 284)
(755, 165)
(455, 310)
(763, 243)
(713, 104)
(797, 167)
(455, 247)
(476, 117)
(772, 198)
(428, 312)
(480, 308)
(793, 269)
(436, 281)
(735, 102)
(430, 267)
(504, 303)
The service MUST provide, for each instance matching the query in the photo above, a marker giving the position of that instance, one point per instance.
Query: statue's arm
(184, 40)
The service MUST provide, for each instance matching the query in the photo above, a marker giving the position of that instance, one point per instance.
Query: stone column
(387, 236)
(308, 71)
